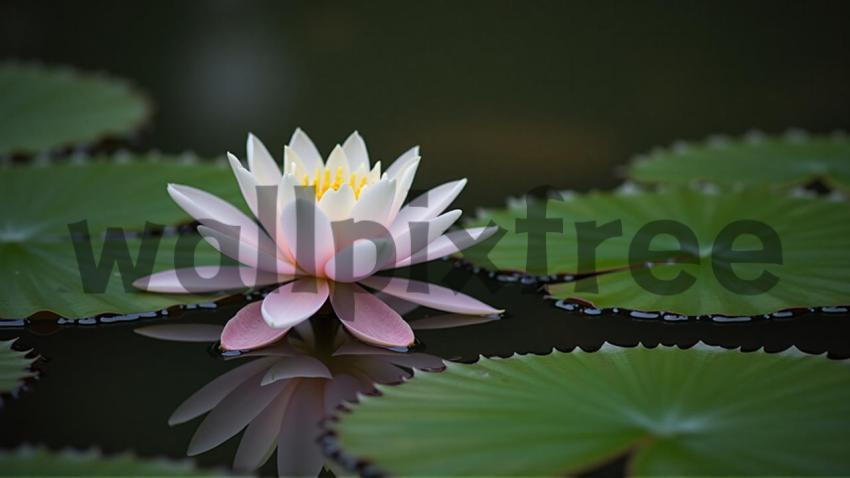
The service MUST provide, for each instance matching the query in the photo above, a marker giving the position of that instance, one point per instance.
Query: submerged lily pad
(39, 270)
(807, 240)
(14, 367)
(45, 108)
(790, 160)
(702, 411)
(29, 461)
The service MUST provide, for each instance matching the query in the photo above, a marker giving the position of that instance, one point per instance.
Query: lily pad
(47, 108)
(798, 248)
(39, 270)
(14, 367)
(783, 161)
(697, 412)
(29, 461)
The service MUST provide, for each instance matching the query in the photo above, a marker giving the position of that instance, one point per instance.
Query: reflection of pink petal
(203, 279)
(247, 330)
(260, 438)
(369, 319)
(295, 302)
(233, 413)
(182, 332)
(302, 366)
(416, 360)
(214, 392)
(379, 369)
(447, 321)
(298, 454)
(359, 348)
(431, 295)
(343, 388)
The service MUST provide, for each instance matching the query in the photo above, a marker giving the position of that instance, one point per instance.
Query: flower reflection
(321, 231)
(281, 396)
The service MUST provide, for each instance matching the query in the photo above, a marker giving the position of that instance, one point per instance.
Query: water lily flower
(323, 229)
(281, 397)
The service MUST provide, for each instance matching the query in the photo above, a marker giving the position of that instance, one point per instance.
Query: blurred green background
(513, 95)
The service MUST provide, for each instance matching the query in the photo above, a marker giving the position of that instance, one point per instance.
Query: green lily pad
(790, 160)
(29, 461)
(46, 108)
(697, 412)
(39, 270)
(14, 367)
(813, 236)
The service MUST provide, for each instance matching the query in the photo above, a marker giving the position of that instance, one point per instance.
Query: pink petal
(298, 454)
(232, 414)
(260, 438)
(308, 234)
(448, 244)
(430, 295)
(294, 302)
(369, 319)
(380, 370)
(247, 330)
(302, 366)
(214, 392)
(203, 279)
(428, 205)
(182, 332)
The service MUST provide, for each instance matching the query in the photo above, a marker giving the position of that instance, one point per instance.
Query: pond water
(555, 95)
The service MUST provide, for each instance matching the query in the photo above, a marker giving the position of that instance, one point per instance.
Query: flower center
(324, 180)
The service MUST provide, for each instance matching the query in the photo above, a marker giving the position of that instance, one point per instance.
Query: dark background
(513, 95)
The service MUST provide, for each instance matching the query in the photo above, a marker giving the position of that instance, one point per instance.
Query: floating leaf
(28, 461)
(702, 411)
(45, 108)
(813, 236)
(39, 270)
(775, 161)
(14, 367)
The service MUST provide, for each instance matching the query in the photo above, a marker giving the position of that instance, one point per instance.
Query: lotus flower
(322, 231)
(280, 398)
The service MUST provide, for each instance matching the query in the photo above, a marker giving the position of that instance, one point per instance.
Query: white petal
(247, 183)
(449, 244)
(362, 259)
(293, 164)
(308, 234)
(215, 213)
(405, 180)
(246, 253)
(428, 205)
(203, 279)
(375, 173)
(355, 150)
(305, 148)
(375, 203)
(338, 159)
(260, 162)
(401, 163)
(420, 234)
(337, 204)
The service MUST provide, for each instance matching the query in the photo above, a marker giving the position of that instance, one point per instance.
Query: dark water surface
(511, 95)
